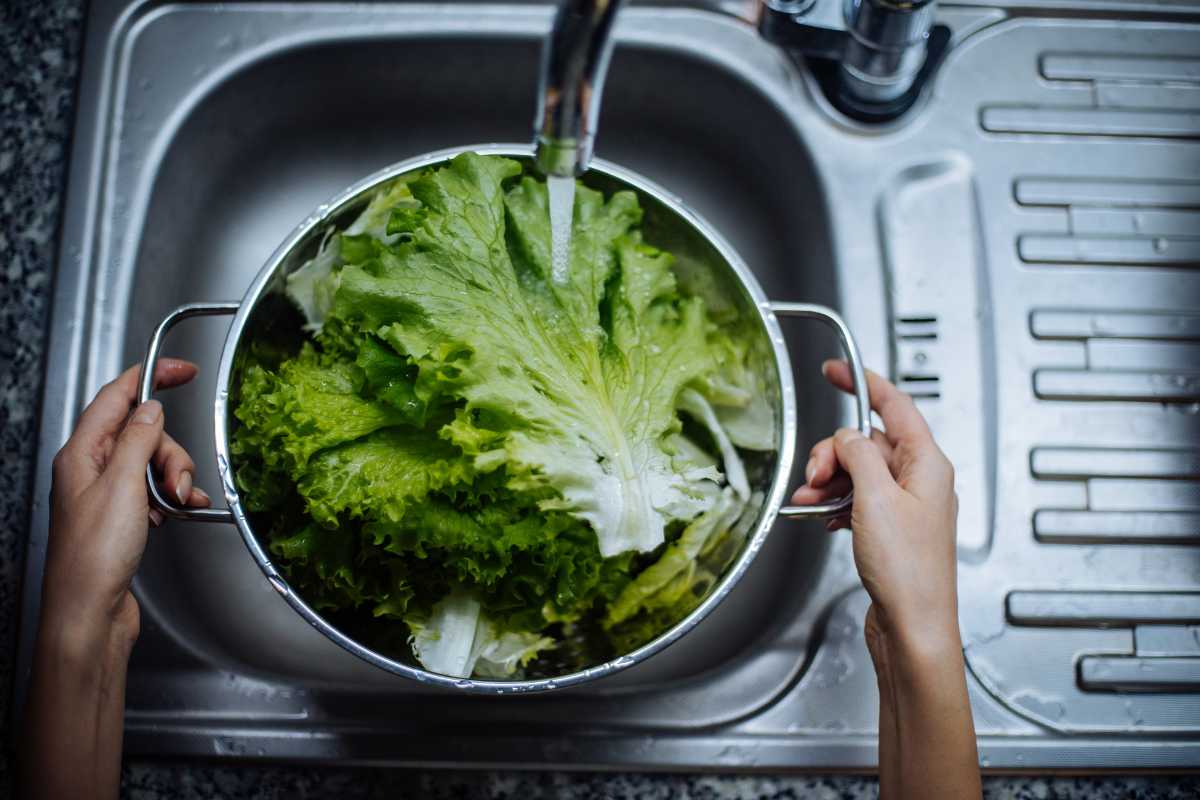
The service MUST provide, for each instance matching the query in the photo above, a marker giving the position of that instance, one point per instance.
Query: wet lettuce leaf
(490, 458)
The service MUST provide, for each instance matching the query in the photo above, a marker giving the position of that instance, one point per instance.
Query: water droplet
(279, 585)
(1134, 714)
(1050, 707)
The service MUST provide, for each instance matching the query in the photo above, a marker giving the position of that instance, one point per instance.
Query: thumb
(862, 458)
(137, 443)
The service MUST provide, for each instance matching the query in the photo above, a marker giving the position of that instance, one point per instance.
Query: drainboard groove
(1101, 609)
(1138, 674)
(1116, 527)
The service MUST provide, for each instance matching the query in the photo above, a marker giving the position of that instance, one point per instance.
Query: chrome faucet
(871, 56)
(574, 62)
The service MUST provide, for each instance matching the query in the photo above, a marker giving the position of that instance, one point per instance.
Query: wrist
(928, 650)
(78, 630)
(82, 599)
(922, 670)
(919, 644)
(922, 628)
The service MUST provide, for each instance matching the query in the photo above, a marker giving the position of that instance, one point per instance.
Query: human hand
(903, 528)
(99, 516)
(903, 517)
(100, 510)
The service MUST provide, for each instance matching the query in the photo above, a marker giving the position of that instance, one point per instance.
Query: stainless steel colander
(668, 222)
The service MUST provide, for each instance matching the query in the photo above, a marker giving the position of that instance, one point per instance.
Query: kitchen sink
(232, 182)
(977, 247)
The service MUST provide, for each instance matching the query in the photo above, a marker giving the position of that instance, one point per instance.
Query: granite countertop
(39, 58)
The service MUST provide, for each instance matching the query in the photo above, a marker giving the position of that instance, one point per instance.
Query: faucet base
(872, 75)
(831, 76)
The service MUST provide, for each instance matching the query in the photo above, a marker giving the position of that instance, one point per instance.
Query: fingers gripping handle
(862, 403)
(146, 388)
(803, 310)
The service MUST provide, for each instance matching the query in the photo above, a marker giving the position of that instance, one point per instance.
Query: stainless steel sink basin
(264, 140)
(340, 110)
(962, 244)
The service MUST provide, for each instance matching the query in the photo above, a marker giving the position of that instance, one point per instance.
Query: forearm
(889, 738)
(74, 715)
(927, 737)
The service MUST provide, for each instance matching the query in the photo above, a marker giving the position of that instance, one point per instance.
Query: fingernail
(200, 493)
(848, 433)
(808, 472)
(183, 489)
(148, 412)
(156, 518)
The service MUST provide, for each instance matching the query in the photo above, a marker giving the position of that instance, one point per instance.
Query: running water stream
(562, 206)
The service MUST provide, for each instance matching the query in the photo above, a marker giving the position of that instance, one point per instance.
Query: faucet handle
(575, 59)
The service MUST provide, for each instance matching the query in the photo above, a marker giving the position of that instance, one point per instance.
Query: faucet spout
(574, 62)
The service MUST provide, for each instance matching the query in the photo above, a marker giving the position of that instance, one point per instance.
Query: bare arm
(903, 524)
(74, 716)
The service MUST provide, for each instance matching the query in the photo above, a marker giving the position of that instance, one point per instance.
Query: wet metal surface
(1019, 253)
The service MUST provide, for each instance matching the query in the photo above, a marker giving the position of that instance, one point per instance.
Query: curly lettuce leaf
(572, 387)
(520, 561)
(458, 640)
(305, 407)
(380, 475)
(740, 393)
(694, 404)
(313, 286)
(504, 655)
(482, 465)
(445, 642)
(678, 559)
(330, 555)
(668, 590)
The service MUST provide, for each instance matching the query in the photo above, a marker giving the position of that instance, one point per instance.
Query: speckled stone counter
(189, 783)
(38, 61)
(38, 64)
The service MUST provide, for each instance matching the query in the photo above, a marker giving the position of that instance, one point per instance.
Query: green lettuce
(497, 460)
(457, 639)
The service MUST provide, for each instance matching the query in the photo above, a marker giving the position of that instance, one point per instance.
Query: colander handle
(862, 403)
(146, 388)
